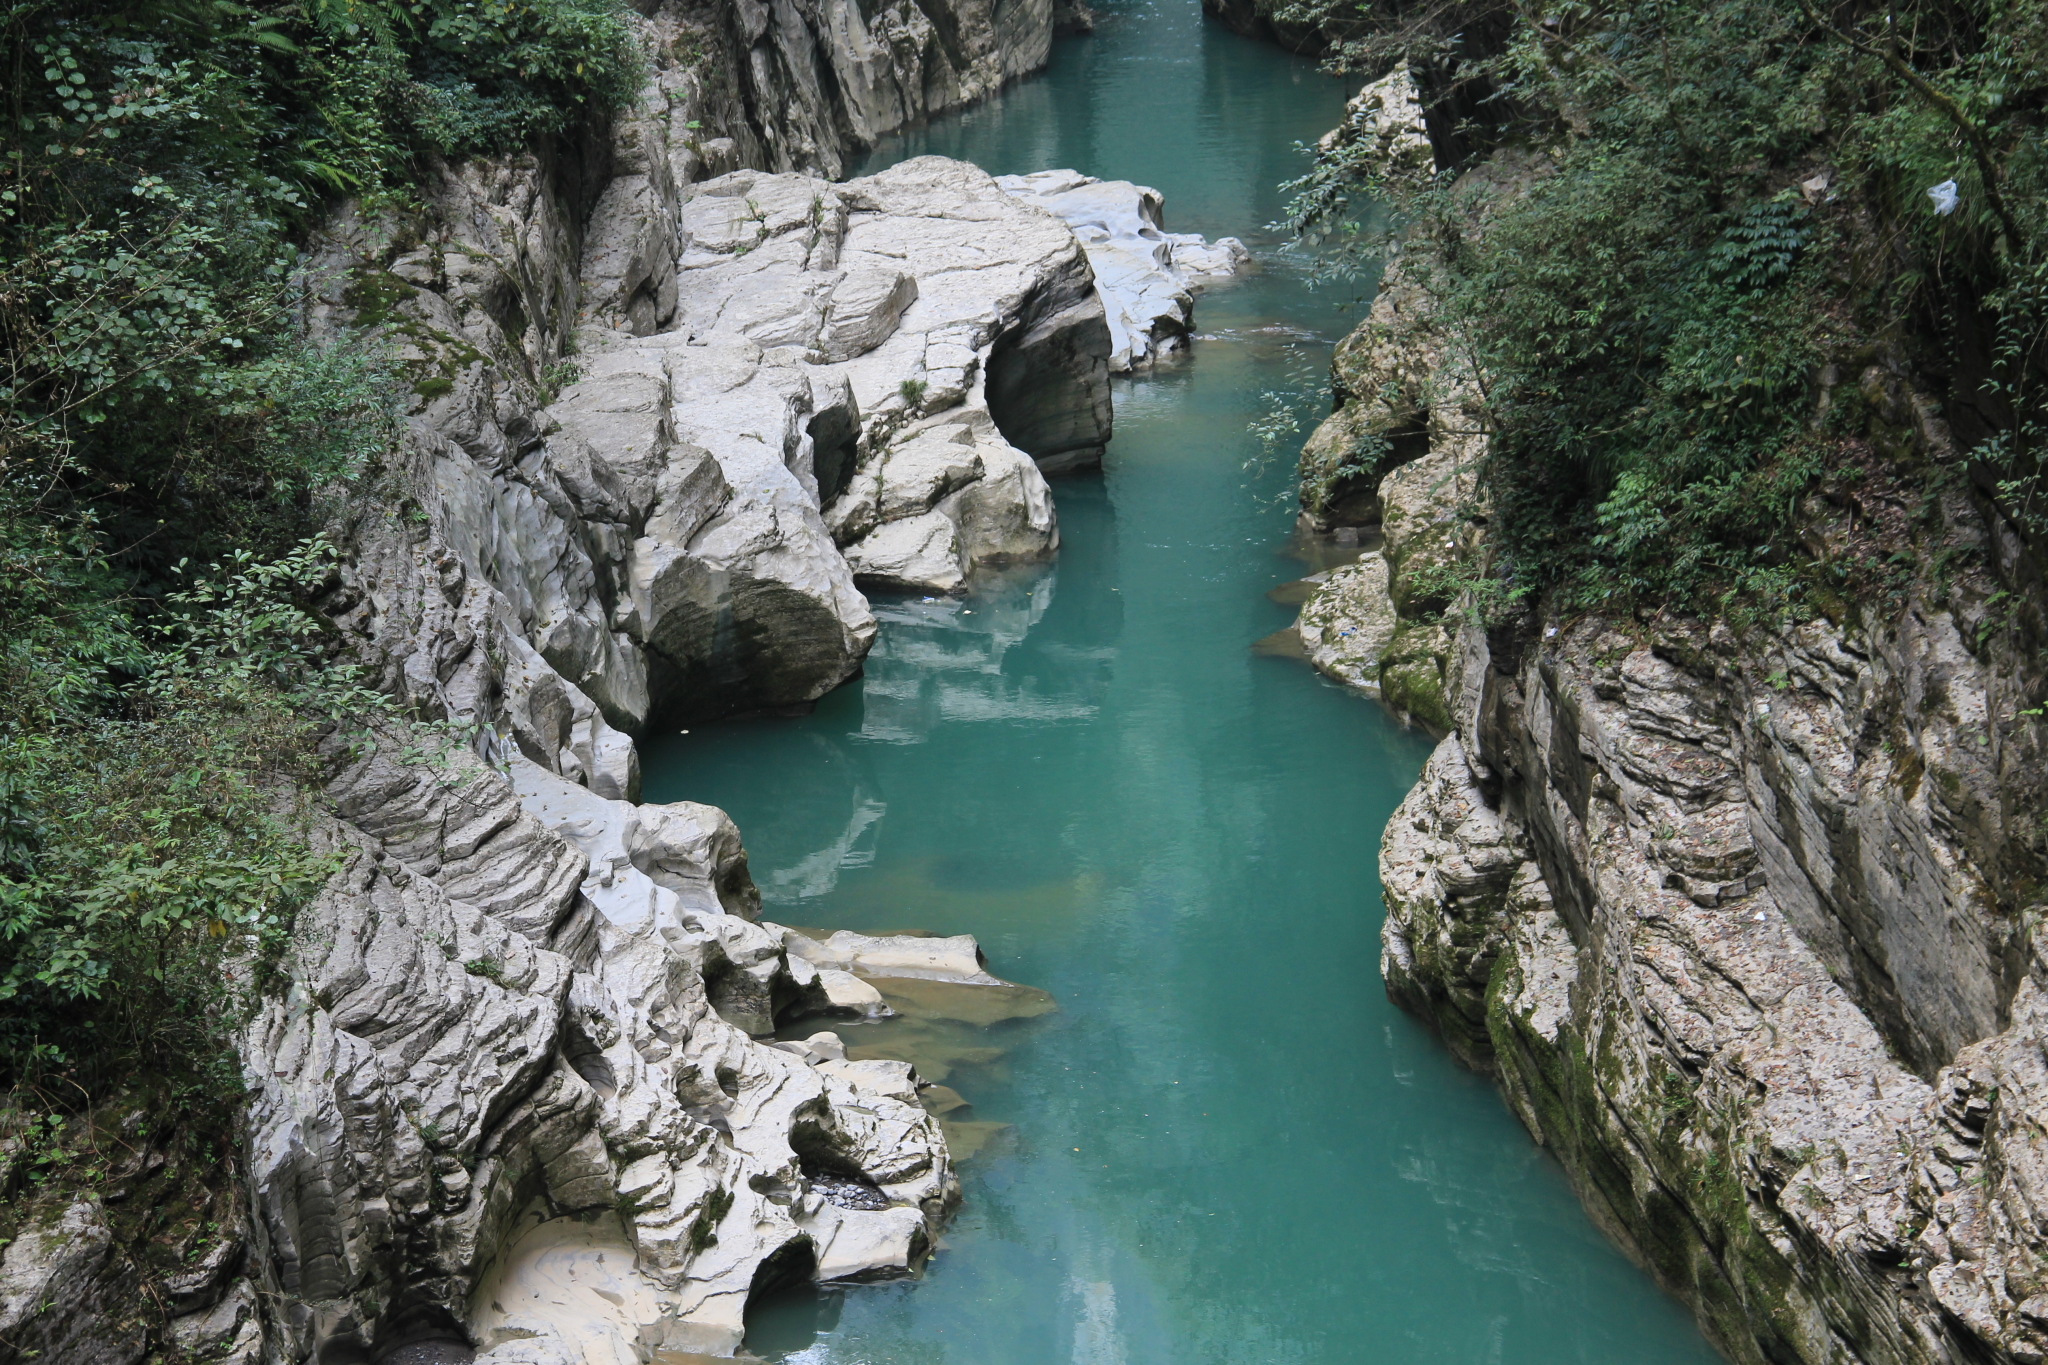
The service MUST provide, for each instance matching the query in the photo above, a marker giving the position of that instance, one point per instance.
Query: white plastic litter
(1944, 197)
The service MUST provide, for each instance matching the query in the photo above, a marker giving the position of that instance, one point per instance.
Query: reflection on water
(1221, 1144)
(940, 660)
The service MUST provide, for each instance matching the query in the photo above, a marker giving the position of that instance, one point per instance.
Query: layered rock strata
(1398, 462)
(1147, 277)
(511, 1098)
(1734, 918)
(822, 78)
(518, 1039)
(1742, 917)
(654, 538)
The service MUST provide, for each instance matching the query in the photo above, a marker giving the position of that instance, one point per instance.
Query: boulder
(956, 958)
(1147, 277)
(1346, 626)
(831, 342)
(947, 495)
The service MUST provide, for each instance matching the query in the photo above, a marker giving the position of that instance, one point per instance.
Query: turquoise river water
(1224, 1145)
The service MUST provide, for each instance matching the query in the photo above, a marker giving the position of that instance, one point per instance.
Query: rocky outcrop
(560, 571)
(823, 78)
(1741, 916)
(512, 1097)
(1399, 388)
(1147, 277)
(1348, 622)
(518, 1038)
(1401, 456)
(654, 538)
(899, 305)
(1735, 920)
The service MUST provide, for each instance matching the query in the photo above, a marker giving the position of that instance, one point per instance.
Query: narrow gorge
(840, 778)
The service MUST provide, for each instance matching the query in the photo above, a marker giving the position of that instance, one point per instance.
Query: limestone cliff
(510, 1097)
(1741, 912)
(1396, 465)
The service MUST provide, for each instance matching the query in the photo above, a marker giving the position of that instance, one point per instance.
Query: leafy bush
(149, 857)
(161, 406)
(1715, 204)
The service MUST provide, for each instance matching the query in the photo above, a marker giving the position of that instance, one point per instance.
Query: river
(1225, 1145)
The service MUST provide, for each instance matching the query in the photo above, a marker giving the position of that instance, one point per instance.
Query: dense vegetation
(169, 433)
(1718, 217)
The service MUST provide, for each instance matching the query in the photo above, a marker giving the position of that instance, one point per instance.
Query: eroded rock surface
(519, 1035)
(1348, 622)
(823, 77)
(1725, 915)
(651, 538)
(898, 305)
(513, 1096)
(1148, 277)
(1742, 919)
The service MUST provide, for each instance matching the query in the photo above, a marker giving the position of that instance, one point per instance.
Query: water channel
(1224, 1145)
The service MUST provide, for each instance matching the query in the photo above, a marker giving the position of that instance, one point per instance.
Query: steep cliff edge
(509, 1094)
(635, 406)
(1738, 909)
(1742, 924)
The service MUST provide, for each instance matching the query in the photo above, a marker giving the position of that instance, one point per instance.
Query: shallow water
(1224, 1145)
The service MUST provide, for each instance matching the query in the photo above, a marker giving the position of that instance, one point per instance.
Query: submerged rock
(1147, 277)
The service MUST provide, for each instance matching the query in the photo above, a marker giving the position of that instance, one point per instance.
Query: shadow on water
(1218, 1142)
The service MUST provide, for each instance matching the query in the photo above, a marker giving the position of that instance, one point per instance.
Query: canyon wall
(1740, 913)
(675, 396)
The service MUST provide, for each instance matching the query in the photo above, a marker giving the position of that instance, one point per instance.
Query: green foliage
(1695, 211)
(162, 406)
(156, 160)
(461, 76)
(1757, 250)
(149, 863)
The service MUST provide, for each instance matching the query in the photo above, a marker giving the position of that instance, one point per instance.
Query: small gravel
(848, 1193)
(431, 1353)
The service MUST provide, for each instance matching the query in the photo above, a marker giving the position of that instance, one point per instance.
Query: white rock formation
(845, 343)
(1148, 277)
(946, 495)
(501, 1100)
(514, 1095)
(1384, 131)
(955, 958)
(747, 346)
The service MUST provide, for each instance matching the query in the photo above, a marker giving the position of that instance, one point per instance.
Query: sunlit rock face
(1147, 277)
(514, 1096)
(520, 1066)
(884, 307)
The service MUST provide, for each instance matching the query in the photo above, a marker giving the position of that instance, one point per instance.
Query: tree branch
(1980, 147)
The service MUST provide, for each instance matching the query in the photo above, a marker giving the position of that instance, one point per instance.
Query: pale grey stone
(1147, 277)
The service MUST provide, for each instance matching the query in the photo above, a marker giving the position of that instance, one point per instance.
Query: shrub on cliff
(1726, 216)
(165, 428)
